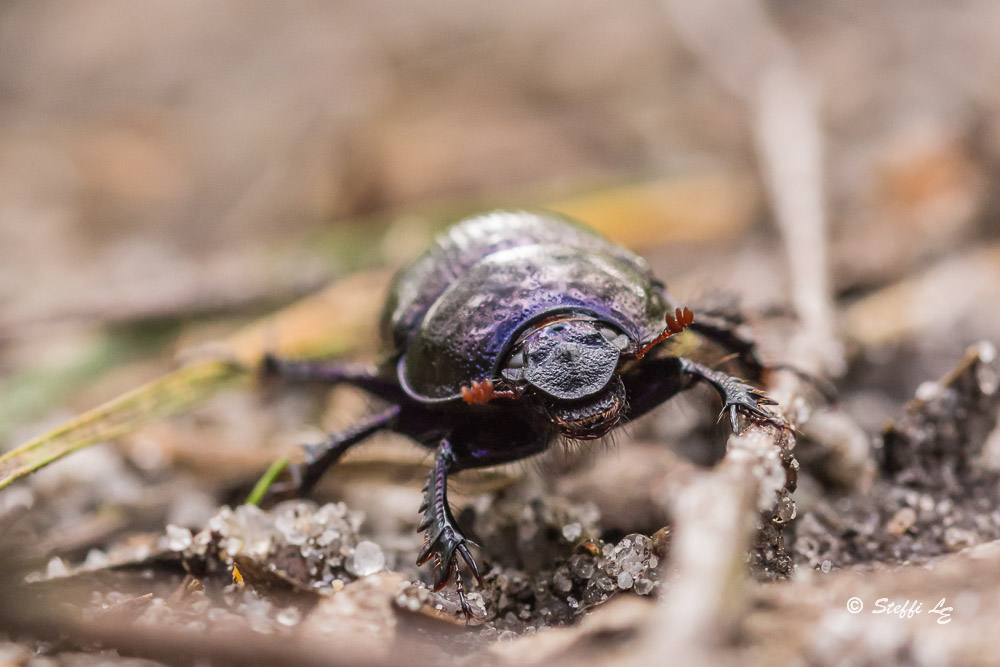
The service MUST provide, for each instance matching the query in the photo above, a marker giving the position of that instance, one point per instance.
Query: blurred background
(172, 171)
(170, 158)
(165, 160)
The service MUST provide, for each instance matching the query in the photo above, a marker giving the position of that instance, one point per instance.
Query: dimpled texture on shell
(454, 313)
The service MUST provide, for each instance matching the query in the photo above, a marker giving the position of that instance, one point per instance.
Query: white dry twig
(715, 517)
(741, 47)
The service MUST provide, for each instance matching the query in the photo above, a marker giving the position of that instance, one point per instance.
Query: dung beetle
(512, 330)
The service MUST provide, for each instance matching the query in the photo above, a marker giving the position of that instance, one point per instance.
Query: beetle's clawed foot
(444, 542)
(445, 546)
(301, 476)
(751, 402)
(290, 484)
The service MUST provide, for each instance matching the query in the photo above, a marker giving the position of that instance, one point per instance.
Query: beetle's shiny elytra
(457, 309)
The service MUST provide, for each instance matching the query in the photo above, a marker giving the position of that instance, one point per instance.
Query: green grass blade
(164, 396)
(265, 482)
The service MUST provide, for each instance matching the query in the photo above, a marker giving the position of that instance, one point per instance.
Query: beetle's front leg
(653, 382)
(442, 539)
(737, 396)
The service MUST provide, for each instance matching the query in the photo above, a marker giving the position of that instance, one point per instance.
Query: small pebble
(366, 559)
(644, 586)
(582, 566)
(96, 559)
(605, 583)
(562, 582)
(178, 538)
(572, 531)
(289, 616)
(901, 521)
(56, 568)
(956, 538)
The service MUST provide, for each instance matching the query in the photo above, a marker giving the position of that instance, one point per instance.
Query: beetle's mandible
(514, 329)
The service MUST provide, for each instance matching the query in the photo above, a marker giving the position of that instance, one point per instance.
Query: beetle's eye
(616, 338)
(516, 360)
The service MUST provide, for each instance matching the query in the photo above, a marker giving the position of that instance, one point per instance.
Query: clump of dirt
(544, 559)
(934, 496)
(549, 564)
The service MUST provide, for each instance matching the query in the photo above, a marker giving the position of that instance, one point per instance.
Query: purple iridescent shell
(452, 315)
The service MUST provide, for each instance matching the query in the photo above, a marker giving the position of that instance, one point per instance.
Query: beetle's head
(570, 364)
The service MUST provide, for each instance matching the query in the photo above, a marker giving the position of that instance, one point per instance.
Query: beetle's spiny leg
(676, 323)
(363, 376)
(443, 541)
(303, 475)
(737, 396)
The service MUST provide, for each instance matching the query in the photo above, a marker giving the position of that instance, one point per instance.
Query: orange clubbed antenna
(483, 392)
(676, 323)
